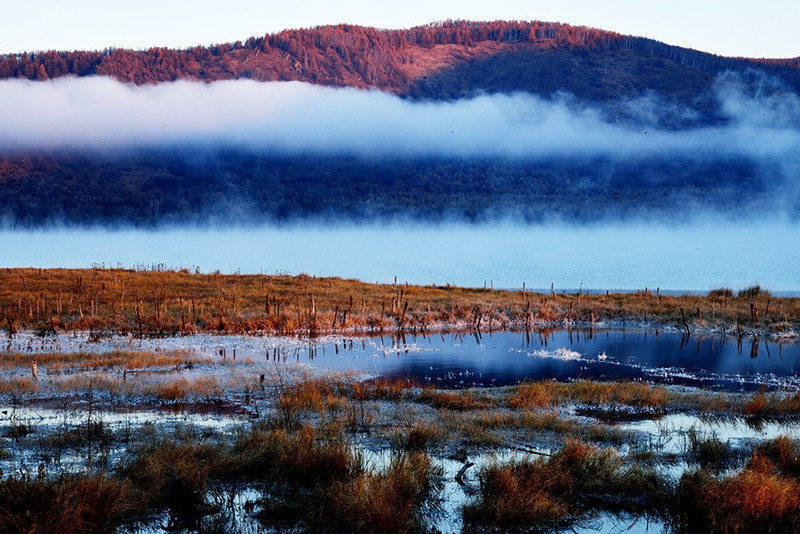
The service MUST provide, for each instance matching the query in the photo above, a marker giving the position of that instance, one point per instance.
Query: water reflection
(465, 359)
(476, 358)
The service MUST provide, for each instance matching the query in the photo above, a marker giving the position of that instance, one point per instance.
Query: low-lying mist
(93, 151)
(762, 119)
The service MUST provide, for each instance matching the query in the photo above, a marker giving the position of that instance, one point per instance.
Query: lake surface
(455, 360)
(695, 257)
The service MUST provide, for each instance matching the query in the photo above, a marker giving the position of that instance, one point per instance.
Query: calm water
(694, 257)
(450, 360)
(502, 358)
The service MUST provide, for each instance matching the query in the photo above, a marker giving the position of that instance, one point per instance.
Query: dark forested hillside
(443, 60)
(155, 187)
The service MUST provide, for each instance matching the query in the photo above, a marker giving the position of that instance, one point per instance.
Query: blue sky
(734, 27)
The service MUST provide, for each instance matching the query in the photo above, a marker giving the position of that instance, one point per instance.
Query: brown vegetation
(69, 504)
(303, 458)
(180, 302)
(552, 493)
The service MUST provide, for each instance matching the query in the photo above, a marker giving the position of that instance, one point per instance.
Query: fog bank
(100, 113)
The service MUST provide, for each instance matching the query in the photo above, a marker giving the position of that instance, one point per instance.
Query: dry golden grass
(58, 361)
(71, 504)
(754, 500)
(178, 301)
(203, 388)
(18, 386)
(766, 405)
(468, 400)
(545, 493)
(603, 394)
(384, 501)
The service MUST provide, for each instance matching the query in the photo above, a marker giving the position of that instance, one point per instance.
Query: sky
(733, 27)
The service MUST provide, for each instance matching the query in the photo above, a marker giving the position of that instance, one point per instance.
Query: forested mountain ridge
(444, 60)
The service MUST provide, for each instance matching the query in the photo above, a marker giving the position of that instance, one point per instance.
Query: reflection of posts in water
(766, 345)
(684, 340)
(685, 324)
(754, 348)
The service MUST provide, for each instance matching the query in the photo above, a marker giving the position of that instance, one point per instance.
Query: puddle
(670, 432)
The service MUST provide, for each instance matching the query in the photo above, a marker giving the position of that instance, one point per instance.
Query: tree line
(191, 186)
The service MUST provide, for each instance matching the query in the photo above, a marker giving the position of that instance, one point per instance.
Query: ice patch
(558, 354)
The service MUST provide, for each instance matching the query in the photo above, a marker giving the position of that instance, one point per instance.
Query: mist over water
(695, 257)
(758, 128)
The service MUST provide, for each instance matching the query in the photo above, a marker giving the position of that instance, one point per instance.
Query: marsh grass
(469, 400)
(114, 359)
(325, 485)
(68, 504)
(153, 302)
(754, 500)
(709, 451)
(555, 492)
(606, 394)
(311, 477)
(502, 429)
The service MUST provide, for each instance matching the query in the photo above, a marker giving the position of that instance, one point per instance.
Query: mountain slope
(445, 60)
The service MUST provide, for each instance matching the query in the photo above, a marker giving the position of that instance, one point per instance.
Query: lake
(623, 256)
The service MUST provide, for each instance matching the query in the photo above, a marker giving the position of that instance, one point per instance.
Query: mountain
(445, 60)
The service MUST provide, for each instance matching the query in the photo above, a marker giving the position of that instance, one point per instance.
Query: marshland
(164, 400)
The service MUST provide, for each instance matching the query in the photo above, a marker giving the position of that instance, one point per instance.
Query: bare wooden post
(35, 370)
(139, 317)
(754, 313)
